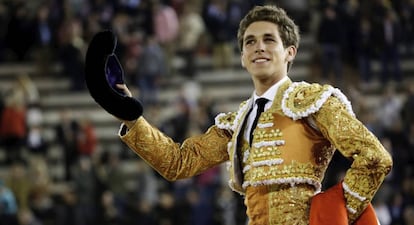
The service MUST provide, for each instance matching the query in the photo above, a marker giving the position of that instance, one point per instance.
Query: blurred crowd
(350, 37)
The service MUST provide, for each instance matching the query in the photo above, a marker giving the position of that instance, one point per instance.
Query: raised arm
(174, 160)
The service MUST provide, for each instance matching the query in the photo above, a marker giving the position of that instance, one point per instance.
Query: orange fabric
(328, 208)
(299, 151)
(368, 217)
(257, 202)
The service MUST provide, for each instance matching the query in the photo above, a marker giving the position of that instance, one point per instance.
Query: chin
(261, 71)
(261, 76)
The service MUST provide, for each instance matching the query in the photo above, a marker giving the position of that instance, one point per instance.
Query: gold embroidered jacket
(292, 146)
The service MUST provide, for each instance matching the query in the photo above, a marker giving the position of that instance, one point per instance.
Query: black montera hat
(102, 72)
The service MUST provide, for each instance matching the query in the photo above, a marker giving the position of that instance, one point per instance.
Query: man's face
(264, 55)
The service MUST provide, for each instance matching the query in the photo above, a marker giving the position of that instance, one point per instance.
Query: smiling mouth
(261, 60)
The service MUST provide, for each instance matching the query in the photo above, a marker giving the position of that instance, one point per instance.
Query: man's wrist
(129, 123)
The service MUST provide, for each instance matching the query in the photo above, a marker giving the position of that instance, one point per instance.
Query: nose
(259, 46)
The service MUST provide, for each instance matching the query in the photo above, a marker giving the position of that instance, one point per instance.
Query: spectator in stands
(121, 26)
(104, 10)
(410, 138)
(86, 140)
(205, 114)
(396, 208)
(364, 51)
(217, 20)
(4, 17)
(207, 184)
(407, 19)
(26, 217)
(145, 195)
(71, 52)
(166, 211)
(407, 110)
(409, 215)
(389, 107)
(109, 213)
(13, 130)
(166, 28)
(388, 36)
(85, 188)
(349, 13)
(45, 38)
(177, 126)
(41, 202)
(19, 183)
(382, 211)
(66, 133)
(147, 188)
(65, 208)
(8, 206)
(299, 11)
(114, 179)
(36, 142)
(191, 29)
(133, 49)
(329, 37)
(227, 204)
(19, 31)
(152, 69)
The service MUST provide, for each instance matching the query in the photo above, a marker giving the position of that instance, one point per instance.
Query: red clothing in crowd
(13, 123)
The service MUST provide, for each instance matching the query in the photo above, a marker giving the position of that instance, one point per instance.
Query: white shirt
(269, 95)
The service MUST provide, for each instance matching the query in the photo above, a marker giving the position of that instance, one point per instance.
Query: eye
(249, 42)
(269, 40)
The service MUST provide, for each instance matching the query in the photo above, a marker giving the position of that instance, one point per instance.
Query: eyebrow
(248, 37)
(269, 35)
(252, 36)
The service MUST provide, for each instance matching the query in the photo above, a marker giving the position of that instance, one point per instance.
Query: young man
(280, 166)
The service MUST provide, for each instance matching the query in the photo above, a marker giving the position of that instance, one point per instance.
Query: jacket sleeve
(173, 160)
(370, 161)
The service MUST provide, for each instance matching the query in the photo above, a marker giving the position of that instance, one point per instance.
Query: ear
(290, 53)
(241, 59)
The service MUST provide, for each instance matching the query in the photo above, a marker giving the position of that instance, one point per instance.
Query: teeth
(260, 60)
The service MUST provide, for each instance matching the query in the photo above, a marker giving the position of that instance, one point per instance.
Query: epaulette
(302, 99)
(229, 120)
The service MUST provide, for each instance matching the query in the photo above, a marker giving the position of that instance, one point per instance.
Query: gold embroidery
(294, 169)
(170, 159)
(290, 204)
(303, 96)
(225, 120)
(278, 204)
(266, 117)
(371, 162)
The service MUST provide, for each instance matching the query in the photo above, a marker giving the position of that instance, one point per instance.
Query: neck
(261, 86)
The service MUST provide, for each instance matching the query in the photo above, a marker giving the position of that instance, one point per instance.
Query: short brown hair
(289, 31)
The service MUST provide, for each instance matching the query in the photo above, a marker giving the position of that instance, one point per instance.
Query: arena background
(62, 162)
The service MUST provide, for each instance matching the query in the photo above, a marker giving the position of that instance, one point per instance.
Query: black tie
(261, 102)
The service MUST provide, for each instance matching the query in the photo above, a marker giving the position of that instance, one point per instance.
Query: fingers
(125, 89)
